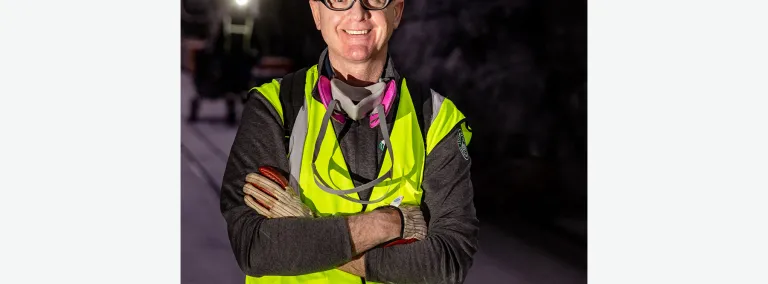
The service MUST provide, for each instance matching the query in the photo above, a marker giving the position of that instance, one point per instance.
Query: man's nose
(357, 12)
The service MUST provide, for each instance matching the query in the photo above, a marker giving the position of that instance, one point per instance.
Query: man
(317, 189)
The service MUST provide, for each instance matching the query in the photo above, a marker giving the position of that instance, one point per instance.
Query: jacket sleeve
(445, 255)
(281, 246)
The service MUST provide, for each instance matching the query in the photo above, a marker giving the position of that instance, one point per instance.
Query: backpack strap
(420, 93)
(292, 99)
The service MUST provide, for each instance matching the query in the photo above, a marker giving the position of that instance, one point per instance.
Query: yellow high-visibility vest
(408, 148)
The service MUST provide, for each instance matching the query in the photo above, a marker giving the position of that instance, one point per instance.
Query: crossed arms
(295, 246)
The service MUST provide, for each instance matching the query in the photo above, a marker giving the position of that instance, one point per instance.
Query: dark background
(516, 68)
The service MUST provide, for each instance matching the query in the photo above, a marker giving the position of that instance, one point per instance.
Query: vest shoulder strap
(420, 93)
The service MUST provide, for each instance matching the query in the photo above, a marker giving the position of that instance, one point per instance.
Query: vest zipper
(363, 279)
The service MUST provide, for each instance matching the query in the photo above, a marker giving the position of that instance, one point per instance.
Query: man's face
(357, 34)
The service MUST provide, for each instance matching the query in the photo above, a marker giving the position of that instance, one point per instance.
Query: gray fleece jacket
(295, 246)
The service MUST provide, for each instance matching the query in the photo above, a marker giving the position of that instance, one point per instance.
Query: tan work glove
(269, 194)
(412, 224)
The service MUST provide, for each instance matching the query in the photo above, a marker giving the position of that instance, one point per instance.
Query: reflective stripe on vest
(409, 156)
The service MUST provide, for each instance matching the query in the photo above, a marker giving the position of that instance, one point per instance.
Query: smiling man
(346, 172)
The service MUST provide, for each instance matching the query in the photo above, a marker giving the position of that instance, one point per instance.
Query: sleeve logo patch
(462, 145)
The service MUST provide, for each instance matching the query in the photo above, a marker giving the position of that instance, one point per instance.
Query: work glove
(412, 224)
(269, 194)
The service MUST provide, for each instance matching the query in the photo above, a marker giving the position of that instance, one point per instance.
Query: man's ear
(398, 9)
(313, 4)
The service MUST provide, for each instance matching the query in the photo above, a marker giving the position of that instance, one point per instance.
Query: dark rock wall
(518, 71)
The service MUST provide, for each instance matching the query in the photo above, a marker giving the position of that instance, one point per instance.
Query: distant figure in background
(224, 70)
(344, 172)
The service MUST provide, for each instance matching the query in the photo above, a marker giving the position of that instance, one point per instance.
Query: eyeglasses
(343, 5)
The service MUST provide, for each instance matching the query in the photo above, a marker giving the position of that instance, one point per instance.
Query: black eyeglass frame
(365, 6)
